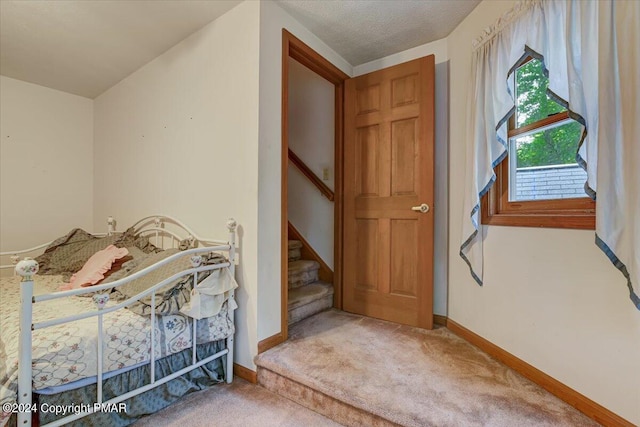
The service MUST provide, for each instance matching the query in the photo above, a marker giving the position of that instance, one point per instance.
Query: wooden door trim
(311, 59)
(293, 47)
(270, 342)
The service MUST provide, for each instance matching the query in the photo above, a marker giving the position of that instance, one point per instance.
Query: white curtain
(591, 50)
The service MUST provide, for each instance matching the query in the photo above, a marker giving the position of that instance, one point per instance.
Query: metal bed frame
(152, 226)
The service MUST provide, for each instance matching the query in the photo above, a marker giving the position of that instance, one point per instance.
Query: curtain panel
(591, 52)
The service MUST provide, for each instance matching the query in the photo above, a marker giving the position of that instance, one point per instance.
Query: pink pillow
(94, 269)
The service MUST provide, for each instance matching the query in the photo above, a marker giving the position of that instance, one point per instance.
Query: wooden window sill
(581, 221)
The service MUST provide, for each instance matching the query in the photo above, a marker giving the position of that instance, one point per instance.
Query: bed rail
(159, 225)
(27, 268)
(16, 257)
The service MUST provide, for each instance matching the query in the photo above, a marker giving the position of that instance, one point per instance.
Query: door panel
(404, 257)
(367, 149)
(403, 157)
(388, 169)
(404, 90)
(367, 238)
(368, 99)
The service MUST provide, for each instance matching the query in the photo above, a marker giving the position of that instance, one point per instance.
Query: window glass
(542, 161)
(532, 101)
(545, 166)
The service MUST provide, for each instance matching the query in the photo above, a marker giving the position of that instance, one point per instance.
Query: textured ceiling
(364, 30)
(85, 47)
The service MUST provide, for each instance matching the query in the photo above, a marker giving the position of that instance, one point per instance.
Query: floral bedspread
(68, 352)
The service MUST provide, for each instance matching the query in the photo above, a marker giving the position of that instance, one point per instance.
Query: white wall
(311, 137)
(272, 20)
(440, 210)
(200, 125)
(46, 164)
(550, 297)
(180, 137)
(438, 48)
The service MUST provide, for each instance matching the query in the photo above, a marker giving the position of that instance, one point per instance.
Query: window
(539, 183)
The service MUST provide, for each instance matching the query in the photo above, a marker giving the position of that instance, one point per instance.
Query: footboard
(194, 247)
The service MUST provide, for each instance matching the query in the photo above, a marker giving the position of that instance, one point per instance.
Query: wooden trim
(582, 403)
(439, 319)
(311, 59)
(292, 47)
(555, 118)
(245, 373)
(338, 199)
(308, 173)
(284, 216)
(577, 222)
(325, 273)
(270, 342)
(578, 213)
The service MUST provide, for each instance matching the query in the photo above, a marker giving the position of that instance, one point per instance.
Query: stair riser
(302, 278)
(308, 310)
(319, 402)
(294, 254)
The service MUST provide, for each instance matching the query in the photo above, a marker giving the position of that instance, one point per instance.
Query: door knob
(423, 208)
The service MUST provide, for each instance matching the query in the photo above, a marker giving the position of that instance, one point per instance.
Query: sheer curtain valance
(591, 51)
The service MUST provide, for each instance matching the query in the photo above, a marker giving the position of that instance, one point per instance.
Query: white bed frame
(153, 226)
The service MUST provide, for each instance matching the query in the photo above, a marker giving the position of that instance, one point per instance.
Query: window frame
(496, 209)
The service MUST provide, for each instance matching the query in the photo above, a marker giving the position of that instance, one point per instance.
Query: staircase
(307, 294)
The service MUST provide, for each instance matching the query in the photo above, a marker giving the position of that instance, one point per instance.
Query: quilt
(67, 353)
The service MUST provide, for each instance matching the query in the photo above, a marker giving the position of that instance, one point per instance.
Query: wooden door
(388, 170)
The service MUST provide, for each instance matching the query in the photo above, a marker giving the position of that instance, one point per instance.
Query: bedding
(95, 268)
(117, 267)
(67, 353)
(146, 403)
(52, 261)
(75, 261)
(135, 257)
(172, 296)
(67, 254)
(209, 295)
(150, 401)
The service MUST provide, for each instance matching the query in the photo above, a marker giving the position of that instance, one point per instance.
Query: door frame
(294, 48)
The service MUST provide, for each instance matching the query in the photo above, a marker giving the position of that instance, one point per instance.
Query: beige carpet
(239, 404)
(408, 376)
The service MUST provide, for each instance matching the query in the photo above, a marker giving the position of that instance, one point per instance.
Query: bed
(121, 341)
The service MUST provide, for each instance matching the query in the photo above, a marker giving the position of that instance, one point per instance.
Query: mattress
(64, 355)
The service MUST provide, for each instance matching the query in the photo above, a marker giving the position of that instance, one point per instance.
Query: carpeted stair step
(305, 301)
(317, 401)
(362, 371)
(318, 393)
(294, 250)
(302, 272)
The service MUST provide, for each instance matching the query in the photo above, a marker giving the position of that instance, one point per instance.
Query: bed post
(231, 226)
(25, 268)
